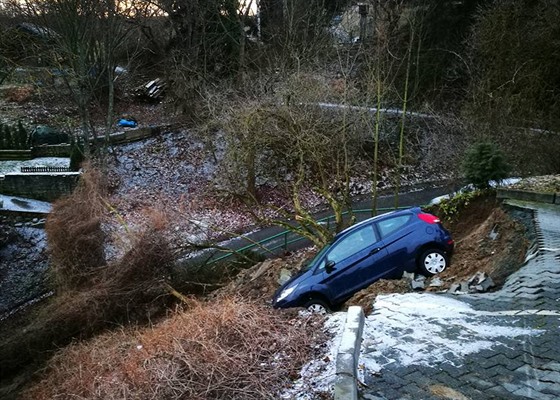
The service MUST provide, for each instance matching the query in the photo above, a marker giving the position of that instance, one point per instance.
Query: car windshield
(311, 261)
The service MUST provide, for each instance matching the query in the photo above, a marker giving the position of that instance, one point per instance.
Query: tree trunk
(403, 120)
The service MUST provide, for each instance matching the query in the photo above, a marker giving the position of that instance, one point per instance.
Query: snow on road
(426, 329)
(409, 329)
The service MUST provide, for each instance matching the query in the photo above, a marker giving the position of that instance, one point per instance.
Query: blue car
(380, 247)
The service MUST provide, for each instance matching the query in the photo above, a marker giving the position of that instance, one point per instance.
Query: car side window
(390, 225)
(352, 244)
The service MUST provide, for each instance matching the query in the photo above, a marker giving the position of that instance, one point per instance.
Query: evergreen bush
(13, 137)
(8, 138)
(485, 162)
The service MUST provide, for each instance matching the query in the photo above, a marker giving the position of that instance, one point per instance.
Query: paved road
(291, 242)
(515, 329)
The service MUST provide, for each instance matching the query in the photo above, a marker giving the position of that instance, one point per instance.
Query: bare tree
(84, 36)
(298, 150)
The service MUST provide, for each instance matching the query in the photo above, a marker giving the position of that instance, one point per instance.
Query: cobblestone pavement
(515, 366)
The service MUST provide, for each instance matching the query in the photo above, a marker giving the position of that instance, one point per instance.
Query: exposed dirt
(261, 281)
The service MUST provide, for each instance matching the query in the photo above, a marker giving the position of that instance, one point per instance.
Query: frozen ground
(20, 204)
(179, 173)
(23, 263)
(409, 329)
(424, 329)
(317, 376)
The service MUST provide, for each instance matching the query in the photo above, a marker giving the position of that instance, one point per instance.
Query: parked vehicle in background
(380, 247)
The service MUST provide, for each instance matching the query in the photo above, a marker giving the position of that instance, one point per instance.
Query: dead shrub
(132, 289)
(228, 349)
(136, 284)
(156, 218)
(74, 233)
(91, 295)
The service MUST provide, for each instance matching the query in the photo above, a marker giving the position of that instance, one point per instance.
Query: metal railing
(44, 169)
(285, 239)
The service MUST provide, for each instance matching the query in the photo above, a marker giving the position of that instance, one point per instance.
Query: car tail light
(429, 218)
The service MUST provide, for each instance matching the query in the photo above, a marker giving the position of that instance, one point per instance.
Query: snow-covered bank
(20, 204)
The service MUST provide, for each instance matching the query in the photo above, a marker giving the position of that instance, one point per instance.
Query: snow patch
(20, 204)
(317, 376)
(469, 188)
(8, 167)
(426, 329)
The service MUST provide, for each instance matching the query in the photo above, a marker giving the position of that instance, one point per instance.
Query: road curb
(347, 356)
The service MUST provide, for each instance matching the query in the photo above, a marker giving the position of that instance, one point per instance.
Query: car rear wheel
(432, 262)
(317, 306)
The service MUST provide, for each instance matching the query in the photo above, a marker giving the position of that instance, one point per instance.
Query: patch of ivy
(448, 209)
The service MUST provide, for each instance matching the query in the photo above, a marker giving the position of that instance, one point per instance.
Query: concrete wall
(55, 150)
(41, 186)
(15, 155)
(132, 135)
(526, 195)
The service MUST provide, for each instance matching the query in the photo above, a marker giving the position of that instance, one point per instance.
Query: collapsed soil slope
(475, 251)
(488, 239)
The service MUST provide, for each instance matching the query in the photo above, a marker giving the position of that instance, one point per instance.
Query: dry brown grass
(133, 289)
(74, 233)
(227, 349)
(91, 295)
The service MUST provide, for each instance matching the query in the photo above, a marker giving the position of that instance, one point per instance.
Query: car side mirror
(329, 266)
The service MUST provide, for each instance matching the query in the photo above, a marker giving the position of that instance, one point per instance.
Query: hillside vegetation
(265, 120)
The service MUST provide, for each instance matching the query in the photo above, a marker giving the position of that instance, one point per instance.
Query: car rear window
(390, 225)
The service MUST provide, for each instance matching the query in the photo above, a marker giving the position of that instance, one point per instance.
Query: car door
(349, 265)
(396, 233)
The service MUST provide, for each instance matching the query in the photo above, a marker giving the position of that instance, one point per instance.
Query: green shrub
(22, 136)
(485, 162)
(13, 137)
(8, 138)
(448, 209)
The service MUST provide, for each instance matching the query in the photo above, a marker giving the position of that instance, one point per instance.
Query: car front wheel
(316, 306)
(432, 262)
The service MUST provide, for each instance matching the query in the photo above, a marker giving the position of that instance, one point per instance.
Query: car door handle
(373, 251)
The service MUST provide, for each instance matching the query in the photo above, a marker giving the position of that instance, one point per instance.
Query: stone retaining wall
(15, 155)
(64, 150)
(51, 186)
(40, 186)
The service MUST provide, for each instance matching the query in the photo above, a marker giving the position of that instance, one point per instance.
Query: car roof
(377, 217)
